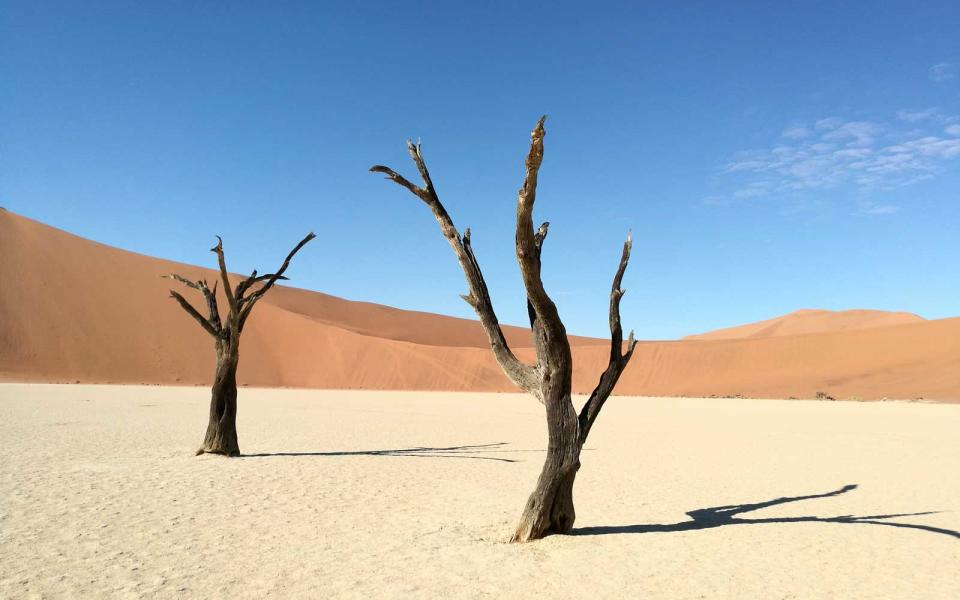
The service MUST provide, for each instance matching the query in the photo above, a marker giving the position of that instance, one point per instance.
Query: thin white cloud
(854, 133)
(859, 155)
(881, 209)
(827, 124)
(757, 189)
(942, 71)
(930, 146)
(796, 133)
(852, 153)
(917, 116)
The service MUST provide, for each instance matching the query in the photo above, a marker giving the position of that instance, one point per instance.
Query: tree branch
(193, 284)
(270, 280)
(618, 359)
(207, 326)
(274, 277)
(616, 294)
(208, 295)
(211, 296)
(479, 297)
(529, 245)
(538, 239)
(225, 278)
(251, 281)
(242, 287)
(401, 180)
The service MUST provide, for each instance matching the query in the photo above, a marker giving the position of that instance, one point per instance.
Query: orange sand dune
(75, 310)
(382, 321)
(810, 321)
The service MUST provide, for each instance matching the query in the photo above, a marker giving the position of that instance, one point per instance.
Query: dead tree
(221, 436)
(550, 507)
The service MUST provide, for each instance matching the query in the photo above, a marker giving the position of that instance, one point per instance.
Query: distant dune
(75, 310)
(810, 321)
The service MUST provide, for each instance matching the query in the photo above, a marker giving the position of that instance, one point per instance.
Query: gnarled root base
(549, 509)
(222, 452)
(221, 438)
(221, 435)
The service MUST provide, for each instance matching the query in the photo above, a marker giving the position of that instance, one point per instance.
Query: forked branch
(538, 239)
(239, 302)
(210, 324)
(529, 243)
(271, 279)
(618, 358)
(225, 277)
(479, 297)
(207, 325)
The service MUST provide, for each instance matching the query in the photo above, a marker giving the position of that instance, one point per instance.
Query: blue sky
(767, 157)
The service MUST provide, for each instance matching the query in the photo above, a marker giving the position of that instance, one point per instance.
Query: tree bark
(221, 436)
(549, 508)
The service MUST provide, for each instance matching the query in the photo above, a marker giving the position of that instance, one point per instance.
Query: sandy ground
(412, 494)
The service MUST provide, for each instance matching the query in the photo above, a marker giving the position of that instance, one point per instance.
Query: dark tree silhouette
(221, 436)
(550, 507)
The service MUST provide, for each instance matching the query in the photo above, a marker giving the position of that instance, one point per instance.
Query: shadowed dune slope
(75, 310)
(810, 321)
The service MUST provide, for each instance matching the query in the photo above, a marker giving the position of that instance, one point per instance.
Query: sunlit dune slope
(810, 321)
(75, 310)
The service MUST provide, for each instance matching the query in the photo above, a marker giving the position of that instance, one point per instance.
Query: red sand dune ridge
(75, 310)
(807, 320)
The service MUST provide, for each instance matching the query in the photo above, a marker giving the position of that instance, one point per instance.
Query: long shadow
(468, 452)
(720, 516)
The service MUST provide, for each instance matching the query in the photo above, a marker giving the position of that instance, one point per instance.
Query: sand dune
(412, 495)
(83, 311)
(810, 321)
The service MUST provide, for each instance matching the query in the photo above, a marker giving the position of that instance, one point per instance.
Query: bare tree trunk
(549, 508)
(221, 436)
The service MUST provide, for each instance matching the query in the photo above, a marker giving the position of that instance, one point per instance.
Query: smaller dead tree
(221, 436)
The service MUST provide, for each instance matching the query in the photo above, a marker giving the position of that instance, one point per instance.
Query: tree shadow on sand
(720, 516)
(469, 451)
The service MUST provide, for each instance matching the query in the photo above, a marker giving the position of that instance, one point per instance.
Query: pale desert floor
(382, 494)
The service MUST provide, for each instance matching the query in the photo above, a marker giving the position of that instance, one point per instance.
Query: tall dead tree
(221, 436)
(550, 507)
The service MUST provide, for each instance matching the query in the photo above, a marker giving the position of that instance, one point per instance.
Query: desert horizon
(118, 304)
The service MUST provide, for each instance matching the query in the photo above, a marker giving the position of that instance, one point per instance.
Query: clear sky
(768, 156)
